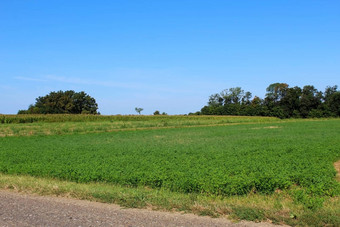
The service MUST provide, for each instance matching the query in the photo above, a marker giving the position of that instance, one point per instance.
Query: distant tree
(158, 113)
(311, 98)
(68, 102)
(246, 98)
(232, 101)
(232, 95)
(22, 111)
(139, 110)
(334, 103)
(256, 101)
(329, 92)
(207, 110)
(291, 101)
(215, 100)
(276, 91)
(332, 100)
(196, 113)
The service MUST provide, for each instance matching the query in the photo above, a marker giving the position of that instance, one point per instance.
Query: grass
(266, 170)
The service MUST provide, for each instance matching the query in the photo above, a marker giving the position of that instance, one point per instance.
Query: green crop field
(220, 157)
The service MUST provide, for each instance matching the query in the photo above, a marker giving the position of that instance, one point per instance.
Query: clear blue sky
(163, 55)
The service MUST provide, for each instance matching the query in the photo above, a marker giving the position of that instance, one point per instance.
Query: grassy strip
(34, 118)
(73, 127)
(278, 208)
(20, 125)
(69, 128)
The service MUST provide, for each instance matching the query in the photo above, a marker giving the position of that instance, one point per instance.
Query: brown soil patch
(268, 127)
(337, 168)
(272, 127)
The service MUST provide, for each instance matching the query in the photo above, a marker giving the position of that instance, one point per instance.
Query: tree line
(280, 101)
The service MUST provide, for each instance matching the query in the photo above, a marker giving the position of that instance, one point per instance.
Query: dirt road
(31, 210)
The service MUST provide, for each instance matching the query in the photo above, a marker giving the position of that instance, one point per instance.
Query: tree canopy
(280, 101)
(138, 110)
(63, 102)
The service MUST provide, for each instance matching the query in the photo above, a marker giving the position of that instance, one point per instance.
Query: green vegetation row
(33, 118)
(221, 160)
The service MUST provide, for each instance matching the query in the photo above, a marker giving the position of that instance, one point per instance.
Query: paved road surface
(31, 210)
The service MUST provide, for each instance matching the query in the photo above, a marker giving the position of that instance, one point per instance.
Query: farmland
(215, 157)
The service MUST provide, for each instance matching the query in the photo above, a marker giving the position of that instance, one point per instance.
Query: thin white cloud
(139, 86)
(30, 79)
(79, 81)
(6, 87)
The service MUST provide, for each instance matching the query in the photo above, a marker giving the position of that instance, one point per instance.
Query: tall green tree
(332, 101)
(276, 91)
(329, 91)
(246, 98)
(290, 102)
(311, 99)
(232, 95)
(63, 102)
(215, 100)
(334, 104)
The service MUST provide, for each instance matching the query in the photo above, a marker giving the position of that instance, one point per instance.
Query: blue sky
(163, 55)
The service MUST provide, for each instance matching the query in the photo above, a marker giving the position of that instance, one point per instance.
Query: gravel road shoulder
(18, 209)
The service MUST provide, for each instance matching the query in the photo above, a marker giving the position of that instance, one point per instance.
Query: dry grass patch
(267, 127)
(337, 168)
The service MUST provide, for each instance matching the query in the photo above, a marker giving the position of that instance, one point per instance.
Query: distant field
(224, 156)
(27, 125)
